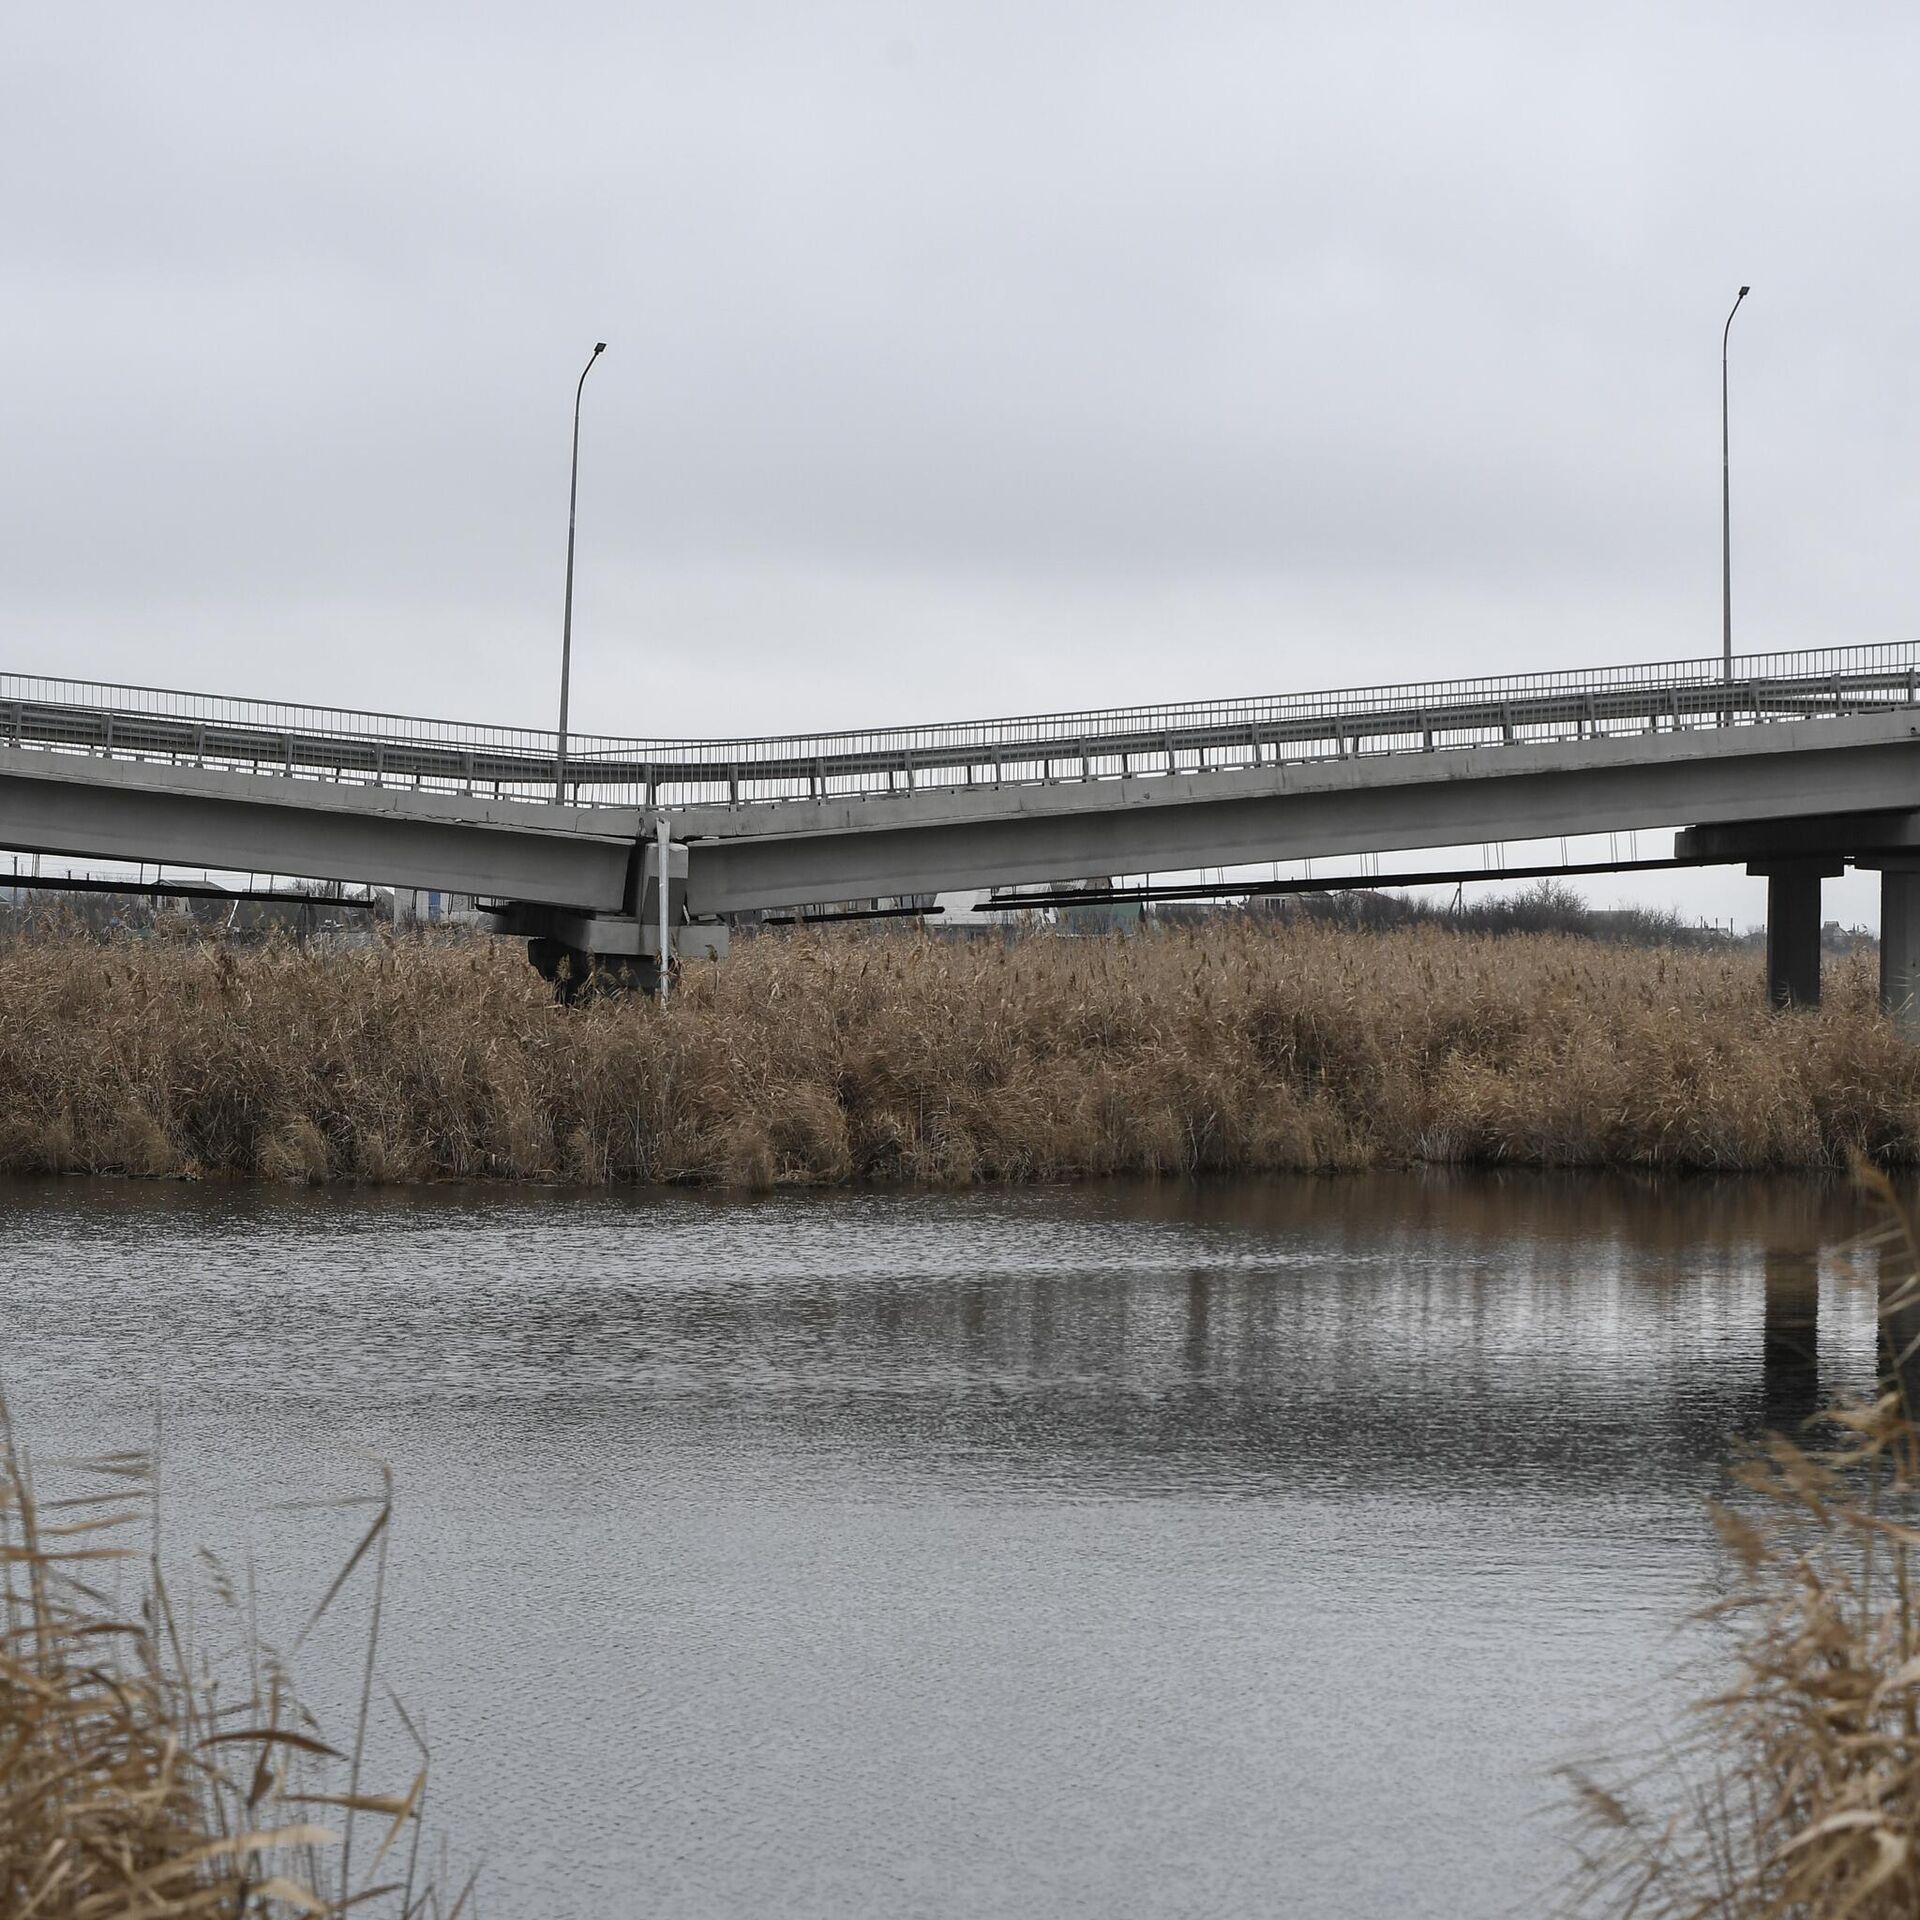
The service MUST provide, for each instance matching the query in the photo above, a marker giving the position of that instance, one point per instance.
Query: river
(1157, 1550)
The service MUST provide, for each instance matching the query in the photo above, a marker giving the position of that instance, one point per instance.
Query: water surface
(1149, 1551)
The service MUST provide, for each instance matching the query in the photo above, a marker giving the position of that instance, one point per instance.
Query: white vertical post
(664, 840)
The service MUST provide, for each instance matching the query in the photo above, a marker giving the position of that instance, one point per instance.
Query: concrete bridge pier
(1795, 854)
(1793, 927)
(1900, 941)
(580, 952)
(575, 973)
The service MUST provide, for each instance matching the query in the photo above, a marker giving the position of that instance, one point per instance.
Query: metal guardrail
(393, 750)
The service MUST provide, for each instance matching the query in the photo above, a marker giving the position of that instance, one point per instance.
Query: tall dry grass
(827, 1059)
(1794, 1790)
(140, 1780)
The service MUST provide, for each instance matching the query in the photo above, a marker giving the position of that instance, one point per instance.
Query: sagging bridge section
(1795, 765)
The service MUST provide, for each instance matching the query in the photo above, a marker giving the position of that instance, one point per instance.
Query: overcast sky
(962, 358)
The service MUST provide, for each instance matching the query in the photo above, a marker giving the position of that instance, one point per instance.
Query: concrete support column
(576, 973)
(1900, 946)
(1793, 928)
(1793, 937)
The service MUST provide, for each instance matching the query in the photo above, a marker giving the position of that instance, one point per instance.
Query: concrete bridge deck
(1788, 742)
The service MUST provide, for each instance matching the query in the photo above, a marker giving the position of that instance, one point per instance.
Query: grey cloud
(1022, 304)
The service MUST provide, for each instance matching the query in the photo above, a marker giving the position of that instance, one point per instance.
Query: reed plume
(822, 1059)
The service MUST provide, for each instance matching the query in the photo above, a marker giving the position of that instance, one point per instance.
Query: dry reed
(140, 1780)
(1795, 1791)
(821, 1059)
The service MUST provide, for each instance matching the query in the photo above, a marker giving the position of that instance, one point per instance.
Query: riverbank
(829, 1060)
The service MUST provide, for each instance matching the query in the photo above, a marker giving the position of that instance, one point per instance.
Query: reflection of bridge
(1797, 764)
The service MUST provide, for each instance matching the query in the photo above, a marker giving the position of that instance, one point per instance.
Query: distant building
(428, 907)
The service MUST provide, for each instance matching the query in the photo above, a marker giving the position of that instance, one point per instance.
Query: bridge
(1795, 765)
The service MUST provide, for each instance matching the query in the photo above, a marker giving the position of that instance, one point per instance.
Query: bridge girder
(91, 808)
(801, 852)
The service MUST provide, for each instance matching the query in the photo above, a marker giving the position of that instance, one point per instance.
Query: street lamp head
(1744, 291)
(600, 346)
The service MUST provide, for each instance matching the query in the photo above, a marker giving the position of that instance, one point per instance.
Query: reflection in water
(1790, 1339)
(1199, 1303)
(1108, 1551)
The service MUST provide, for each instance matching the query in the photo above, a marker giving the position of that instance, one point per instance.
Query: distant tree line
(1547, 906)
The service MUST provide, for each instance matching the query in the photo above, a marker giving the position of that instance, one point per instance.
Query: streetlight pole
(566, 622)
(1726, 506)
